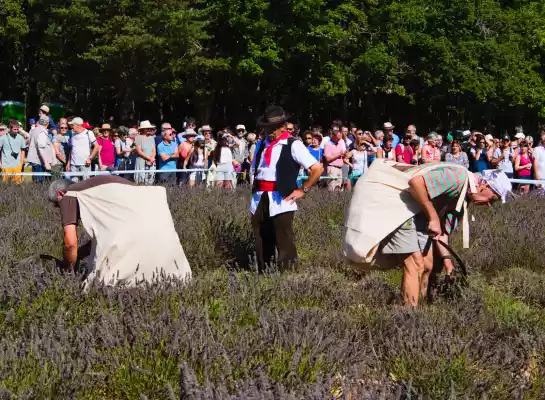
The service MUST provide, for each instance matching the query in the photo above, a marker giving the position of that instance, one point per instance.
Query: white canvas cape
(380, 204)
(132, 233)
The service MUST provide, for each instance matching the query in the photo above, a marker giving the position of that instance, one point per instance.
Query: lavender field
(317, 332)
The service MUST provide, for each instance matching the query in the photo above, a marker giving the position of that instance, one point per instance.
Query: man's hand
(434, 228)
(295, 195)
(87, 162)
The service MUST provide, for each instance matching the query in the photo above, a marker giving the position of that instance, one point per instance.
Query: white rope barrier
(69, 174)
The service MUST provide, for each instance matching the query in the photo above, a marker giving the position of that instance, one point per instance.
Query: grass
(314, 332)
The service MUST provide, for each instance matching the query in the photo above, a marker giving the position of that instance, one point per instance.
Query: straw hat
(146, 125)
(105, 127)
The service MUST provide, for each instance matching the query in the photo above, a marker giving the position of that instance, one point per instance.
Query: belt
(335, 166)
(265, 186)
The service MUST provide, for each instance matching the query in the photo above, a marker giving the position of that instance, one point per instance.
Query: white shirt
(539, 157)
(506, 165)
(277, 205)
(81, 146)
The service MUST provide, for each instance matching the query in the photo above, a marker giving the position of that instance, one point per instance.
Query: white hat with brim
(240, 127)
(520, 135)
(189, 132)
(489, 137)
(388, 125)
(498, 182)
(146, 125)
(45, 109)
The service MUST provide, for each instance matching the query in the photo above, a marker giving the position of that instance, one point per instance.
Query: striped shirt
(445, 184)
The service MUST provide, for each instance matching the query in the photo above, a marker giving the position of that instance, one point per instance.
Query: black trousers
(273, 233)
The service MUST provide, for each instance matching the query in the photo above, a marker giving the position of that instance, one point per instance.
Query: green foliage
(435, 63)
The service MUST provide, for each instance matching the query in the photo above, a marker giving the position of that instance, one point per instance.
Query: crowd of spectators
(224, 158)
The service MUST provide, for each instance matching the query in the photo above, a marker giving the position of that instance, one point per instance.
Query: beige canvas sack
(380, 204)
(132, 233)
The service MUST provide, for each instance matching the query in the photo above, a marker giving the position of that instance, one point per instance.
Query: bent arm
(418, 190)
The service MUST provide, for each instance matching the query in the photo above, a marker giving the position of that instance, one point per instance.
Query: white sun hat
(146, 125)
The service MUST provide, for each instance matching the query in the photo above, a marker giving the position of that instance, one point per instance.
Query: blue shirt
(396, 140)
(168, 149)
(316, 153)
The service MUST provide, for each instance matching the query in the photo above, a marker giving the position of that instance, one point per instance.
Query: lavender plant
(314, 332)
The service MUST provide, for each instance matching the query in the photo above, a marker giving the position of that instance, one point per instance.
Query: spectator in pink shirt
(334, 153)
(430, 152)
(106, 157)
(404, 152)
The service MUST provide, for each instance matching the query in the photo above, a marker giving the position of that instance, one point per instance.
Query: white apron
(380, 204)
(133, 235)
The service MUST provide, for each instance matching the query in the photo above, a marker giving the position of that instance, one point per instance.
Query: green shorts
(410, 237)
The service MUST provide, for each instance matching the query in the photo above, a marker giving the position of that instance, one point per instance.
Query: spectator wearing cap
(539, 159)
(334, 153)
(12, 153)
(145, 152)
(467, 141)
(523, 165)
(106, 153)
(197, 159)
(84, 148)
(3, 129)
(388, 129)
(31, 123)
(44, 110)
(430, 152)
(503, 157)
(41, 155)
(519, 137)
(168, 155)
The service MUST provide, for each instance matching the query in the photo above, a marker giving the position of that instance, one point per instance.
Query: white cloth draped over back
(133, 235)
(381, 203)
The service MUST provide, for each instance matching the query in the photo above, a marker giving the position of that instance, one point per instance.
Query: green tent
(12, 110)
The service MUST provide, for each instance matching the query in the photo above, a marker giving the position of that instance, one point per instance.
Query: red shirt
(406, 152)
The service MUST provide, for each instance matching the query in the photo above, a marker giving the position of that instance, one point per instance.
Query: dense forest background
(436, 63)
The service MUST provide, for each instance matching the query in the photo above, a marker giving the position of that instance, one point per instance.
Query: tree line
(437, 63)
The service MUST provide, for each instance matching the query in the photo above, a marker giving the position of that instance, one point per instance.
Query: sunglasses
(64, 127)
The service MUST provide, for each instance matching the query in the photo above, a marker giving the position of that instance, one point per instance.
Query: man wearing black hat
(278, 160)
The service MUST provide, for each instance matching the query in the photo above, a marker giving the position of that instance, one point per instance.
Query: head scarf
(498, 182)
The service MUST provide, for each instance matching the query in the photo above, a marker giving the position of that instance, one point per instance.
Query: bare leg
(227, 185)
(219, 184)
(428, 266)
(413, 269)
(191, 183)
